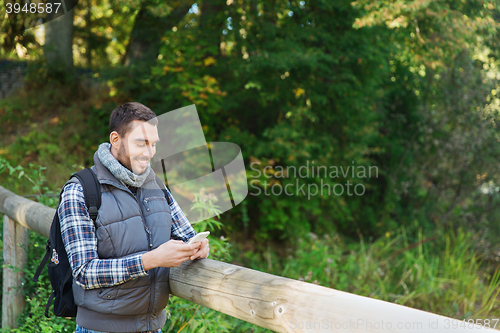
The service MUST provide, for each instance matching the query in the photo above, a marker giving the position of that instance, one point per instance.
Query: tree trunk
(145, 38)
(88, 28)
(58, 48)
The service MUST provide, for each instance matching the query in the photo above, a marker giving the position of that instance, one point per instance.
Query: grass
(55, 127)
(438, 273)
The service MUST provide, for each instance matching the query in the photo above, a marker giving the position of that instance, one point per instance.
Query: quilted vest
(127, 225)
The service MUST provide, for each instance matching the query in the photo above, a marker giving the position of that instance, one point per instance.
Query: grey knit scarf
(117, 169)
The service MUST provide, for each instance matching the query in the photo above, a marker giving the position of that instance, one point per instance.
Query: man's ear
(114, 139)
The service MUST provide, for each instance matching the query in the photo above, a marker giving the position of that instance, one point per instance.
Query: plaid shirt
(80, 242)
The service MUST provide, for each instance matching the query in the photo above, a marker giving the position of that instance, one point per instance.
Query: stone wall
(11, 77)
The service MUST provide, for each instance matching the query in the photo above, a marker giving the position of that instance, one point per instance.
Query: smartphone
(199, 237)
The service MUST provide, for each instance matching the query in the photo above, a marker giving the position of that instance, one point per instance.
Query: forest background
(407, 88)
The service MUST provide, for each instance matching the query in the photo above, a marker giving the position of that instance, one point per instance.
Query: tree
(150, 24)
(58, 48)
(14, 28)
(340, 84)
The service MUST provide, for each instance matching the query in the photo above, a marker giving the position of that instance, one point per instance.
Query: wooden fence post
(15, 256)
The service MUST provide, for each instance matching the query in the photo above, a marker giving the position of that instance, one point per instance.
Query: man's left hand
(202, 251)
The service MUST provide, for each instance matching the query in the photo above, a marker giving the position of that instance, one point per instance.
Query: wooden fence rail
(273, 302)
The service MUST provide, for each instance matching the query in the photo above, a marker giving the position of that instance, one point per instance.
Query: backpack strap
(91, 189)
(49, 303)
(42, 263)
(164, 189)
(92, 192)
(53, 295)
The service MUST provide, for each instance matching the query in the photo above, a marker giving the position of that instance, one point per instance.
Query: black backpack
(60, 275)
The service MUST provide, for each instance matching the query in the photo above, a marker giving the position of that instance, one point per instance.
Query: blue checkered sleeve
(181, 228)
(80, 242)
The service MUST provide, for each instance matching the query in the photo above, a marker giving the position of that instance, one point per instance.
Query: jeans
(80, 329)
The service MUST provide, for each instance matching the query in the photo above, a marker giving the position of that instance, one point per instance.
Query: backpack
(60, 275)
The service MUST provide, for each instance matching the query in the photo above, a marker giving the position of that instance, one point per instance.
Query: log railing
(273, 302)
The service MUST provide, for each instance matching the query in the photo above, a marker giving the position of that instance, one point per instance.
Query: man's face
(138, 146)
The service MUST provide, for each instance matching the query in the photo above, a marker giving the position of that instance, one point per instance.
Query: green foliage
(436, 30)
(48, 127)
(101, 32)
(14, 36)
(37, 178)
(205, 205)
(392, 85)
(439, 272)
(33, 317)
(380, 85)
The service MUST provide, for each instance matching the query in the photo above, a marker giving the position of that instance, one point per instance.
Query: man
(121, 263)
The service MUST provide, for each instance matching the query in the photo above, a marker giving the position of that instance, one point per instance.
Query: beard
(124, 157)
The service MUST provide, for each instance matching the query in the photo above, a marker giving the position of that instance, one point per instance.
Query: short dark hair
(123, 115)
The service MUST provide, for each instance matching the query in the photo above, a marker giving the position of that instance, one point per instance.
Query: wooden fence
(273, 302)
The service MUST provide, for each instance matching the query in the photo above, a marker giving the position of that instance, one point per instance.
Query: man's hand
(169, 254)
(203, 250)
